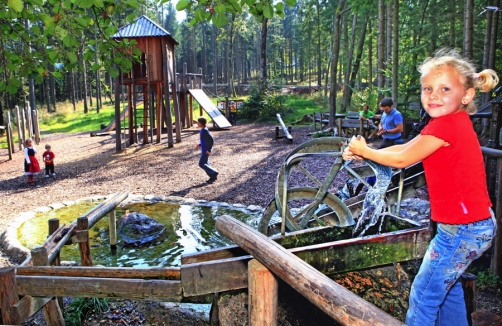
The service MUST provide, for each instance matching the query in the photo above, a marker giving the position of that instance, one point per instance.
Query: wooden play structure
(154, 80)
(27, 127)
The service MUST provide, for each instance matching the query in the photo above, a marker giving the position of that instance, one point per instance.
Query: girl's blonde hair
(26, 141)
(485, 80)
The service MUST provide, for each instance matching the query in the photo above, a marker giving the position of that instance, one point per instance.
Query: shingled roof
(142, 27)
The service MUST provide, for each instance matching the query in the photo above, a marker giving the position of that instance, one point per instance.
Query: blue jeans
(436, 296)
(204, 164)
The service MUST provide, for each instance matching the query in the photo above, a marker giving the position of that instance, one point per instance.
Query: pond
(189, 228)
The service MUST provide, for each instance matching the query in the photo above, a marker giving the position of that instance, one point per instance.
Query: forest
(353, 51)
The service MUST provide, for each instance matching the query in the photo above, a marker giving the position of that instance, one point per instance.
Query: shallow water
(189, 228)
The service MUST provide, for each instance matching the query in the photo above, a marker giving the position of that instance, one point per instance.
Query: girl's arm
(399, 156)
(26, 157)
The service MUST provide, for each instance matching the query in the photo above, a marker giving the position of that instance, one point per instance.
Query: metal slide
(210, 108)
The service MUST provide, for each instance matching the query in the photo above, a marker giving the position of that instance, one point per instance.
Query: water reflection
(189, 228)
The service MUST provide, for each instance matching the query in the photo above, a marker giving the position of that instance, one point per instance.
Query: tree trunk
(263, 50)
(357, 61)
(395, 51)
(370, 56)
(72, 87)
(334, 64)
(84, 77)
(381, 45)
(215, 61)
(347, 83)
(319, 40)
(468, 28)
(388, 47)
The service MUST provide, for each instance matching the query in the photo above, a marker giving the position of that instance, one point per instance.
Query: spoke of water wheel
(354, 173)
(310, 176)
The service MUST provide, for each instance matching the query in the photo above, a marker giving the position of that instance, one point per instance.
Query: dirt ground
(247, 157)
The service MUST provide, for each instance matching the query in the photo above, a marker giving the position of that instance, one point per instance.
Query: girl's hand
(356, 146)
(208, 152)
(197, 146)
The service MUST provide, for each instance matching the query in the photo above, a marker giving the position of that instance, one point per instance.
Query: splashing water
(374, 202)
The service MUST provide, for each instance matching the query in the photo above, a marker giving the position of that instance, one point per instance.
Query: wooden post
(52, 312)
(339, 127)
(28, 121)
(36, 128)
(113, 232)
(19, 133)
(276, 132)
(85, 250)
(159, 111)
(130, 114)
(496, 262)
(263, 295)
(53, 227)
(167, 102)
(8, 296)
(469, 286)
(339, 303)
(10, 145)
(145, 115)
(23, 125)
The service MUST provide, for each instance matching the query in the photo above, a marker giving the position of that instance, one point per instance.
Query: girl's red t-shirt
(455, 174)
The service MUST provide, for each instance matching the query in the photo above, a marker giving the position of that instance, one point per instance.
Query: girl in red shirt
(456, 180)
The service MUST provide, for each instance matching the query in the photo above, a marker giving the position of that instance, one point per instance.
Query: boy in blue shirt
(206, 145)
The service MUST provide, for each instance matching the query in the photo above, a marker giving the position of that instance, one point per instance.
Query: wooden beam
(214, 276)
(336, 301)
(152, 290)
(263, 292)
(8, 296)
(52, 313)
(171, 273)
(28, 306)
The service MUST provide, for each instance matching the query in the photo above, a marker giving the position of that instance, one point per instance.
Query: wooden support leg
(469, 286)
(53, 227)
(85, 250)
(263, 295)
(113, 232)
(8, 296)
(52, 312)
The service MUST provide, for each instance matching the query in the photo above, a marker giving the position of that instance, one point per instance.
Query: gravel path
(247, 156)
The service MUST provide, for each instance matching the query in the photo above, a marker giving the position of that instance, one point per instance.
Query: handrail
(492, 152)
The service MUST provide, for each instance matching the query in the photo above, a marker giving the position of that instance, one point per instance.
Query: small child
(206, 145)
(31, 166)
(49, 161)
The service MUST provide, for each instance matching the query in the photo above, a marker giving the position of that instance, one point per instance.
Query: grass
(66, 120)
(81, 307)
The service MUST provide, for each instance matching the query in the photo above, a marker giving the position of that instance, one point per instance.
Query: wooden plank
(28, 306)
(53, 314)
(213, 254)
(210, 108)
(170, 273)
(339, 303)
(8, 296)
(263, 295)
(152, 290)
(205, 277)
(214, 276)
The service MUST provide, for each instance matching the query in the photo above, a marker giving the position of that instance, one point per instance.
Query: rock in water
(138, 229)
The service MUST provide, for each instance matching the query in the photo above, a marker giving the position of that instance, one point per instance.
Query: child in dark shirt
(206, 145)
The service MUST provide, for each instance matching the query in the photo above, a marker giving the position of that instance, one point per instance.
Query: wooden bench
(352, 127)
(321, 118)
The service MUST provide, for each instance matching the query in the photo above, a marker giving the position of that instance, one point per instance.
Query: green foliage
(262, 105)
(81, 307)
(216, 10)
(485, 279)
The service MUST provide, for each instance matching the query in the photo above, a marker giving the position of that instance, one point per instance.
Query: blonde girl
(449, 150)
(31, 165)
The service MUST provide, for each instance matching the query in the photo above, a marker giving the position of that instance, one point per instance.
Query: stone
(137, 229)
